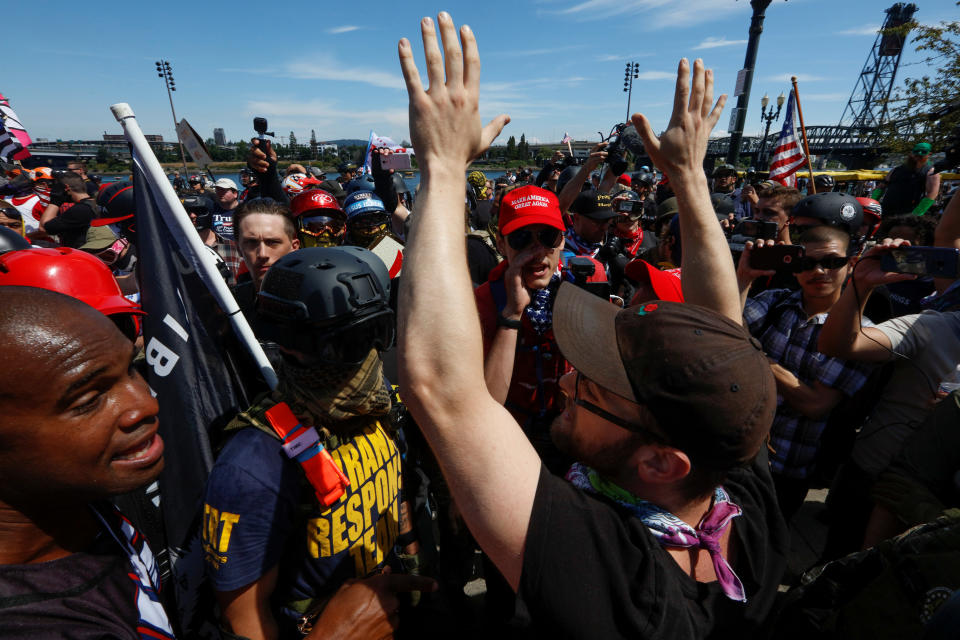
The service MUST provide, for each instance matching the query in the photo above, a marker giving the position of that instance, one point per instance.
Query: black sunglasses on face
(609, 417)
(523, 238)
(807, 263)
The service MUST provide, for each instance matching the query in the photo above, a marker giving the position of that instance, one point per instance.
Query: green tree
(523, 149)
(313, 144)
(511, 152)
(921, 107)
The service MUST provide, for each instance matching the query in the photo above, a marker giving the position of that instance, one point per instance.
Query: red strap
(282, 420)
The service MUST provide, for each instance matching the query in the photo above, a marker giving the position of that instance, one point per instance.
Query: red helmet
(872, 211)
(68, 271)
(298, 182)
(313, 199)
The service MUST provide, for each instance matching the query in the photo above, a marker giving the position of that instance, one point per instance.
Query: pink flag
(11, 123)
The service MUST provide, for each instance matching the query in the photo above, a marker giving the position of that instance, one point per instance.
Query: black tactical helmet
(832, 208)
(10, 240)
(202, 208)
(360, 183)
(823, 182)
(331, 303)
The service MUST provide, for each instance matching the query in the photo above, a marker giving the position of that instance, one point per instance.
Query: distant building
(218, 138)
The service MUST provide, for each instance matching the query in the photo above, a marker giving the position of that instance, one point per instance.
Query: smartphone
(759, 229)
(630, 206)
(395, 161)
(776, 258)
(939, 262)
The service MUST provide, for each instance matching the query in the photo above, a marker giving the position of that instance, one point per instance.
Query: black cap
(343, 167)
(593, 205)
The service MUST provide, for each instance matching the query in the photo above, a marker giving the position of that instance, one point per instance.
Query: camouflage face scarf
(328, 394)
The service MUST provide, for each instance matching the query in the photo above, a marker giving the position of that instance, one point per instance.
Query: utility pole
(164, 71)
(739, 117)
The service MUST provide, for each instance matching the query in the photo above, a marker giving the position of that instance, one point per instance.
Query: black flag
(190, 366)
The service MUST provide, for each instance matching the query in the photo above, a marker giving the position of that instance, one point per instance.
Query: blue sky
(554, 65)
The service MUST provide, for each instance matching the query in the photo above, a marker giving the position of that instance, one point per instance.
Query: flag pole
(811, 188)
(204, 261)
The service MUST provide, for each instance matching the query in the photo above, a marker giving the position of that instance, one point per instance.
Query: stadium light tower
(166, 72)
(630, 73)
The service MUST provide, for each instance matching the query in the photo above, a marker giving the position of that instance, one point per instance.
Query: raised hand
(445, 124)
(684, 144)
(868, 273)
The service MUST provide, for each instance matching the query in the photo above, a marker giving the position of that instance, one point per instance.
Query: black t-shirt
(592, 570)
(84, 596)
(71, 225)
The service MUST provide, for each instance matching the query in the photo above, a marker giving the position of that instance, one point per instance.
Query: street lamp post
(756, 28)
(164, 71)
(630, 73)
(769, 117)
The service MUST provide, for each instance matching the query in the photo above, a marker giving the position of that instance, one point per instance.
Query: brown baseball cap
(702, 375)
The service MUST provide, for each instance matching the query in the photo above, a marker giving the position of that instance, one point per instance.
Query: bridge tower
(867, 107)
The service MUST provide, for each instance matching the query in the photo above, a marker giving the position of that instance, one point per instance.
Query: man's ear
(659, 464)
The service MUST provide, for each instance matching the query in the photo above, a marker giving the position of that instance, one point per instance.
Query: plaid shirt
(227, 249)
(790, 339)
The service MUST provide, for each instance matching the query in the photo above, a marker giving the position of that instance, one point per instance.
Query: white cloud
(823, 97)
(869, 30)
(713, 43)
(801, 77)
(326, 68)
(613, 57)
(531, 52)
(657, 14)
(657, 75)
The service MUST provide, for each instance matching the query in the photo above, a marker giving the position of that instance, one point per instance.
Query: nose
(567, 382)
(262, 250)
(139, 405)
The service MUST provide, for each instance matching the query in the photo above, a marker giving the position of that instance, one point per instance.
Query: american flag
(14, 139)
(788, 156)
(566, 138)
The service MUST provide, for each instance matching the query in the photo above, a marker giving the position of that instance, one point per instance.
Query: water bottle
(949, 384)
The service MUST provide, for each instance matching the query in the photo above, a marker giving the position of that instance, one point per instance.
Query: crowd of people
(608, 393)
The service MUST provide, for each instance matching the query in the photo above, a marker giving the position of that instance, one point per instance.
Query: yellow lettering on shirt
(228, 520)
(351, 463)
(337, 530)
(365, 520)
(354, 517)
(318, 538)
(367, 458)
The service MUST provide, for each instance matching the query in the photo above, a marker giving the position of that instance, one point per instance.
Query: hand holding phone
(781, 257)
(939, 262)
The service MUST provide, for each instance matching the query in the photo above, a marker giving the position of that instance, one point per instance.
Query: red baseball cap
(665, 284)
(529, 205)
(624, 179)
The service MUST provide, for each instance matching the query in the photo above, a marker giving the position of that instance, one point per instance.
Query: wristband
(505, 322)
(921, 208)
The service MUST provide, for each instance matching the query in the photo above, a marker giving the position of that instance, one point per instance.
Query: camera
(260, 126)
(752, 230)
(581, 268)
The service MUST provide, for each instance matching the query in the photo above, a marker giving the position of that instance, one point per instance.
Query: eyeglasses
(807, 263)
(609, 417)
(523, 238)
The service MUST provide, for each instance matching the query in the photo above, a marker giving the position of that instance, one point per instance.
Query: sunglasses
(807, 263)
(609, 417)
(523, 238)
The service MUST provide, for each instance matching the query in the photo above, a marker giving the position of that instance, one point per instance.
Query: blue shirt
(790, 339)
(259, 512)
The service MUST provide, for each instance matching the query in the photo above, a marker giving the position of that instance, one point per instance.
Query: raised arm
(947, 234)
(490, 466)
(842, 335)
(570, 190)
(709, 277)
